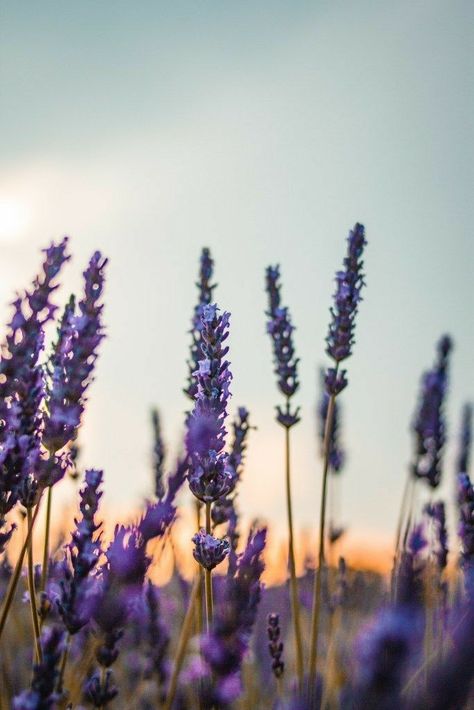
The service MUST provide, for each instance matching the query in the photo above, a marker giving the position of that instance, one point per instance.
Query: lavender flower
(429, 426)
(349, 283)
(466, 528)
(340, 595)
(157, 635)
(209, 551)
(205, 289)
(336, 453)
(383, 654)
(74, 359)
(84, 551)
(275, 646)
(462, 464)
(224, 647)
(436, 511)
(211, 476)
(22, 387)
(409, 590)
(280, 329)
(42, 695)
(224, 508)
(158, 455)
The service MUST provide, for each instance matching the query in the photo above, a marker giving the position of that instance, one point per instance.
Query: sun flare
(14, 219)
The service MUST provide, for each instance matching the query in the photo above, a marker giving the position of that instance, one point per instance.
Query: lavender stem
(182, 643)
(44, 570)
(16, 573)
(208, 574)
(295, 607)
(32, 591)
(316, 613)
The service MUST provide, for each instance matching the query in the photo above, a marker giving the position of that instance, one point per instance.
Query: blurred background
(263, 131)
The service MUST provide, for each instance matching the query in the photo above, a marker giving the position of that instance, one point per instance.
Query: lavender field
(85, 624)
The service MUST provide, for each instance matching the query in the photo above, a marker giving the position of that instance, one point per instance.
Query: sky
(263, 131)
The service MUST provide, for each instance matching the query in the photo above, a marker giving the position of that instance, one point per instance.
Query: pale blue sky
(264, 131)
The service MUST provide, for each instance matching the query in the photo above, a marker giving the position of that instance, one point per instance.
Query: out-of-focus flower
(429, 425)
(383, 651)
(465, 495)
(158, 455)
(436, 511)
(465, 440)
(42, 695)
(336, 453)
(275, 645)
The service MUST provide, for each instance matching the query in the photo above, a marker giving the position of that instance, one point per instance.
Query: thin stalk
(182, 644)
(403, 510)
(16, 573)
(32, 590)
(208, 575)
(315, 617)
(44, 569)
(62, 668)
(295, 605)
(199, 598)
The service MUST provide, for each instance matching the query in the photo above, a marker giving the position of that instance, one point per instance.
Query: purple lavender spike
(349, 283)
(275, 645)
(429, 425)
(74, 357)
(84, 551)
(205, 289)
(211, 476)
(223, 649)
(42, 695)
(280, 329)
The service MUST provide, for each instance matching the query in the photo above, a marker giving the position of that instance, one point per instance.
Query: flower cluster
(84, 551)
(280, 329)
(42, 694)
(205, 292)
(349, 283)
(22, 388)
(275, 645)
(224, 647)
(211, 476)
(465, 495)
(75, 354)
(429, 425)
(209, 551)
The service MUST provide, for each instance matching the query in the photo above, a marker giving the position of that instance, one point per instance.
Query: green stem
(315, 618)
(44, 569)
(16, 573)
(182, 643)
(295, 606)
(208, 575)
(32, 590)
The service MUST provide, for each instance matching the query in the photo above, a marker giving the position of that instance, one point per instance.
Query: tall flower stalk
(280, 329)
(211, 475)
(340, 340)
